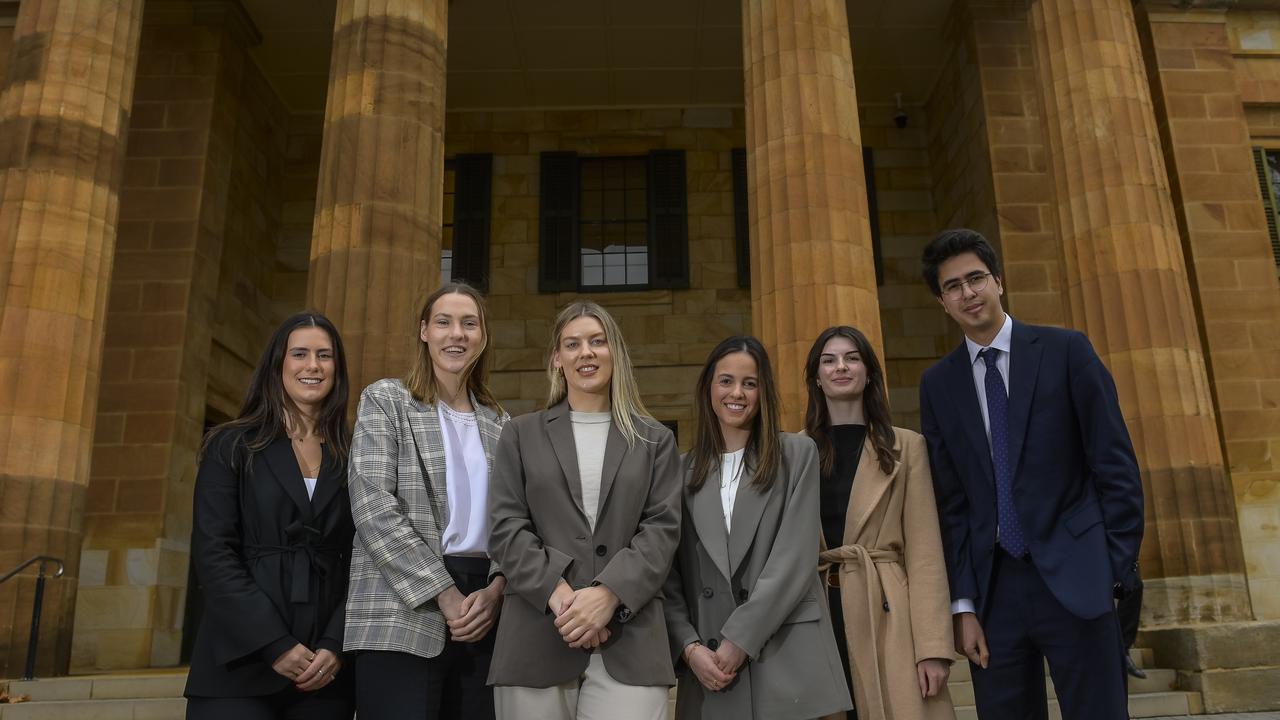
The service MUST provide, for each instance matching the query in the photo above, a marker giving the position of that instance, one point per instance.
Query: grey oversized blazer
(758, 587)
(540, 534)
(399, 500)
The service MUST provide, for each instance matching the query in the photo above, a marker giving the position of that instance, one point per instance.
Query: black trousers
(1025, 625)
(288, 704)
(401, 686)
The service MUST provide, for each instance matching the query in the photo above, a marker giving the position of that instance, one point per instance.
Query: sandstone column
(63, 114)
(375, 249)
(811, 257)
(1201, 114)
(1127, 288)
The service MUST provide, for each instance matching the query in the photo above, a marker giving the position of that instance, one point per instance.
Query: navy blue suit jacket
(1075, 478)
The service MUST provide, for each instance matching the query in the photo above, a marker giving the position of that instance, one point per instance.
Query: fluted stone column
(63, 114)
(376, 241)
(1128, 289)
(811, 257)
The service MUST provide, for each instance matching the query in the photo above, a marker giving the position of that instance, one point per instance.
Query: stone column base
(1234, 666)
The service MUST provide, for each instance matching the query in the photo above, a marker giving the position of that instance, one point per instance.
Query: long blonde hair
(624, 395)
(421, 379)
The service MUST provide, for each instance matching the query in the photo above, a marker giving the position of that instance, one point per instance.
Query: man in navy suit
(1039, 497)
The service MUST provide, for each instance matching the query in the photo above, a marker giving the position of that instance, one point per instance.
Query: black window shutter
(473, 183)
(558, 262)
(1261, 165)
(873, 215)
(668, 221)
(741, 218)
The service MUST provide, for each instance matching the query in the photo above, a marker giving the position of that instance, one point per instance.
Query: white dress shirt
(1003, 341)
(467, 484)
(730, 477)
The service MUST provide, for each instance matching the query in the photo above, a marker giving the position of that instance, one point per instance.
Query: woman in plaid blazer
(422, 599)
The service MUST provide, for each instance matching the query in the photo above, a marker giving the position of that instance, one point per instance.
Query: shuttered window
(473, 188)
(1267, 164)
(873, 211)
(613, 223)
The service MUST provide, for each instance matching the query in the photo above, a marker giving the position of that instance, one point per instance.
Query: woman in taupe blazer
(744, 605)
(886, 578)
(585, 510)
(423, 597)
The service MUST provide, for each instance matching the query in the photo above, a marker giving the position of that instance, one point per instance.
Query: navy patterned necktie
(1011, 536)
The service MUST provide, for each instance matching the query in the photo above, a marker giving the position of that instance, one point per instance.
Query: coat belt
(305, 557)
(842, 560)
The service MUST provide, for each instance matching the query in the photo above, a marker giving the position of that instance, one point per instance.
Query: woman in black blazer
(271, 540)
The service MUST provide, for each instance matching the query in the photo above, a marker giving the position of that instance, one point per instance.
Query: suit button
(601, 550)
(712, 644)
(742, 595)
(707, 592)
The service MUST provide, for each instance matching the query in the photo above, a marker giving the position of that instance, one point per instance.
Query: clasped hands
(582, 616)
(715, 669)
(309, 671)
(471, 617)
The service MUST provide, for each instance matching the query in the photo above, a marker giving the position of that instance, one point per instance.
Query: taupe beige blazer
(757, 586)
(540, 534)
(399, 500)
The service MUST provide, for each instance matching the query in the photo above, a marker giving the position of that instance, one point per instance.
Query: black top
(846, 442)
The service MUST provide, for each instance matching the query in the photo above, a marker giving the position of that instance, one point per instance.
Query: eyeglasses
(976, 283)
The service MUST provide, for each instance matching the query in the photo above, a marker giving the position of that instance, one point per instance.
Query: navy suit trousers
(1025, 625)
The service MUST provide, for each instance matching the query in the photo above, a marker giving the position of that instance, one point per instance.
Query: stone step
(171, 708)
(1144, 705)
(165, 684)
(1158, 681)
(1142, 657)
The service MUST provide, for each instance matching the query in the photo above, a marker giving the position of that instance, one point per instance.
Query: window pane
(446, 266)
(590, 174)
(591, 205)
(614, 205)
(615, 237)
(615, 269)
(614, 175)
(637, 204)
(446, 239)
(638, 268)
(636, 170)
(591, 237)
(637, 236)
(592, 273)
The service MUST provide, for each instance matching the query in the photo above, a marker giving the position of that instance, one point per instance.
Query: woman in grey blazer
(423, 596)
(745, 614)
(586, 516)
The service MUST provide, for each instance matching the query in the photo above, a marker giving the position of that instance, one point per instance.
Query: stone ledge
(1233, 665)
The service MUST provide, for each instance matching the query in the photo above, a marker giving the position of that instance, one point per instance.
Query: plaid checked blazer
(396, 477)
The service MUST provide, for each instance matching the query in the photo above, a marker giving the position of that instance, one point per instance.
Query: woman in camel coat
(884, 567)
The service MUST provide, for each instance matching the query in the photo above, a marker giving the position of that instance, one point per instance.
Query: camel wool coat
(893, 585)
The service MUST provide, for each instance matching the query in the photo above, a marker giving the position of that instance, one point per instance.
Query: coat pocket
(1088, 515)
(805, 611)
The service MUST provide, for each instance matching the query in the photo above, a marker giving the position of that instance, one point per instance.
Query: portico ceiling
(507, 54)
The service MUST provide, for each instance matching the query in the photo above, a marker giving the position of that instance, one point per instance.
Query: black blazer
(1075, 477)
(272, 565)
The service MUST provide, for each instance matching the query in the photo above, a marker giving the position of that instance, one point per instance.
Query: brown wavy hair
(764, 450)
(421, 380)
(875, 402)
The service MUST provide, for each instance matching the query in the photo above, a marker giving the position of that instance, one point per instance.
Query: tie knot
(989, 356)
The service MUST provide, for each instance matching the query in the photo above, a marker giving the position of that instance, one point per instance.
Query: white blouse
(466, 483)
(730, 476)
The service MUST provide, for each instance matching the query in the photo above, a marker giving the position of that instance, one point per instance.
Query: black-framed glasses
(976, 283)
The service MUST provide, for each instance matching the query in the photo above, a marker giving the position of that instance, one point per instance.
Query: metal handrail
(33, 640)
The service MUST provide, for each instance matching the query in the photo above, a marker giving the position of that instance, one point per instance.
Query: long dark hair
(764, 451)
(875, 402)
(421, 380)
(268, 411)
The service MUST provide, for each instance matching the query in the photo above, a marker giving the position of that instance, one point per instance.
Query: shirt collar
(1002, 342)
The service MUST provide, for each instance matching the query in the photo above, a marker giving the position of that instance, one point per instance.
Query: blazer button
(601, 550)
(713, 644)
(706, 593)
(742, 595)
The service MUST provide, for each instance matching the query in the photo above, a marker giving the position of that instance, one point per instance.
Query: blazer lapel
(329, 482)
(965, 395)
(424, 422)
(748, 506)
(614, 449)
(560, 431)
(708, 520)
(490, 431)
(284, 466)
(869, 486)
(1024, 366)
